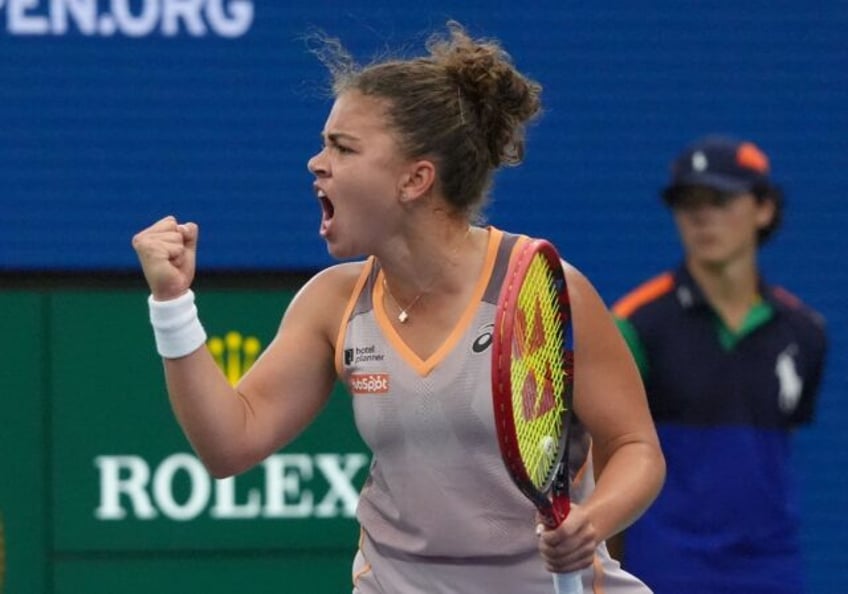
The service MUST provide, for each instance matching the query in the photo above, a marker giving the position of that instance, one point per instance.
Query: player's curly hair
(464, 105)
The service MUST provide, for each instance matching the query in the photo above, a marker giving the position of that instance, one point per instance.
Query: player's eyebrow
(337, 136)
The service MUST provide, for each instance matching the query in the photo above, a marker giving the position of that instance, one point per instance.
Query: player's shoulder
(651, 292)
(342, 271)
(324, 298)
(339, 278)
(334, 284)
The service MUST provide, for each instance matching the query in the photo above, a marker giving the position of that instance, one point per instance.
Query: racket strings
(538, 373)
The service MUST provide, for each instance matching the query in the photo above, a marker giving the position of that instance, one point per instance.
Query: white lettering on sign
(294, 486)
(139, 18)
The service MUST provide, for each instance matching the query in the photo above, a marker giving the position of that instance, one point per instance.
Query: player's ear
(417, 180)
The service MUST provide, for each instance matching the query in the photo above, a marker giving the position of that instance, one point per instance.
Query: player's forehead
(355, 116)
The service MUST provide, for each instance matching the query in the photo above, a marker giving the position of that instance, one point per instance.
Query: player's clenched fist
(167, 252)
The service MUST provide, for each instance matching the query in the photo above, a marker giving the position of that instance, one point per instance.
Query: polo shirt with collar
(725, 403)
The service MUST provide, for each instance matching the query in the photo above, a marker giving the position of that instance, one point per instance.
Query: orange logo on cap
(751, 157)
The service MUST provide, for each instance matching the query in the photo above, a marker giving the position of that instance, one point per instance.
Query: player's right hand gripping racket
(532, 383)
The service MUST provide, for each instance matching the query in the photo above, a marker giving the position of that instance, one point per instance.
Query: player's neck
(429, 266)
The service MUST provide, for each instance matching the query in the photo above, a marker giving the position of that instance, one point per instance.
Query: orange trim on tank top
(351, 303)
(367, 569)
(424, 366)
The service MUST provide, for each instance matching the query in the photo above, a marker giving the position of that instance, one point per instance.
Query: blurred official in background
(732, 365)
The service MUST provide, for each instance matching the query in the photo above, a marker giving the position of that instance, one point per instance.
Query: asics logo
(482, 342)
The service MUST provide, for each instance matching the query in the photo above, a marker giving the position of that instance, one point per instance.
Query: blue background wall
(113, 119)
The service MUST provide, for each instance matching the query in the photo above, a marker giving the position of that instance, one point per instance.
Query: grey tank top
(438, 511)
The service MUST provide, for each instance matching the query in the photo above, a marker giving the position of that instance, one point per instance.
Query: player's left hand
(571, 545)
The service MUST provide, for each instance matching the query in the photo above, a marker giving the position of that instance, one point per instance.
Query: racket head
(533, 376)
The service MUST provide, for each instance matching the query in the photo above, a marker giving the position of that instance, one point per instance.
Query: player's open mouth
(327, 209)
(326, 206)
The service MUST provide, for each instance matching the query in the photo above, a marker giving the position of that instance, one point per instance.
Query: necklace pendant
(403, 316)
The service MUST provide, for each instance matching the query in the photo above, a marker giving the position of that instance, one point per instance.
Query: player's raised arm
(230, 428)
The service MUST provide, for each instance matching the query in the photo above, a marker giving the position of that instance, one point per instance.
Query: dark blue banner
(118, 112)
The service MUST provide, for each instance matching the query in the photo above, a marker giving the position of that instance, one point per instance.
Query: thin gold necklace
(403, 316)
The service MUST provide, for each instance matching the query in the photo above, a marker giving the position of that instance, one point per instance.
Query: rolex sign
(109, 496)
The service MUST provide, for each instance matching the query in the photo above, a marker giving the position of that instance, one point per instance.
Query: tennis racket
(532, 383)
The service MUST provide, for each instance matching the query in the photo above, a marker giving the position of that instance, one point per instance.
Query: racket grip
(568, 583)
(560, 507)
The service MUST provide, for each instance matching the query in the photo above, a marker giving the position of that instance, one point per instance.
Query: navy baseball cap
(722, 163)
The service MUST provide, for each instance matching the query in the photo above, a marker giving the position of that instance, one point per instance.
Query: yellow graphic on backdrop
(234, 353)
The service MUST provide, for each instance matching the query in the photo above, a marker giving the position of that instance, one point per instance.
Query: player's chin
(341, 251)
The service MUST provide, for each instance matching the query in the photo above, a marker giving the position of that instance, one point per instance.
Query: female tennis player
(409, 150)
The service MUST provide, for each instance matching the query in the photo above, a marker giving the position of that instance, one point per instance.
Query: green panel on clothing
(631, 337)
(125, 476)
(23, 548)
(296, 574)
(758, 315)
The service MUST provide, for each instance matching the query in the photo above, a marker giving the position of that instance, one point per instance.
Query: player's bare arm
(291, 381)
(232, 429)
(609, 398)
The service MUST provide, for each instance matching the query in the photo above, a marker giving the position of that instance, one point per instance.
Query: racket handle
(560, 507)
(568, 583)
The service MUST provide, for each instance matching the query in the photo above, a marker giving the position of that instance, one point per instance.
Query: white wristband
(176, 327)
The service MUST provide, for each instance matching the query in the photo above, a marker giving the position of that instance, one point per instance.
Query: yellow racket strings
(537, 374)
